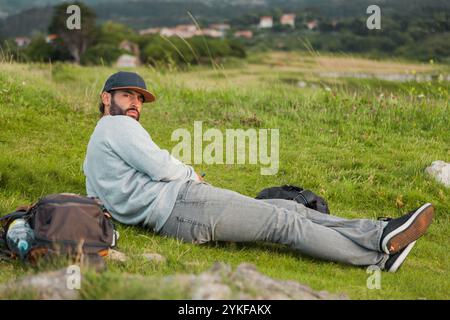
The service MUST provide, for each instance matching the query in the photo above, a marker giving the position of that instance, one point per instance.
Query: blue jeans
(204, 213)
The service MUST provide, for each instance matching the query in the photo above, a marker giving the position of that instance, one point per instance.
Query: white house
(22, 41)
(288, 19)
(149, 31)
(213, 33)
(266, 22)
(248, 34)
(220, 26)
(312, 24)
(127, 61)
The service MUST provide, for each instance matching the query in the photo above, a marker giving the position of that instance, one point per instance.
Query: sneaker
(394, 261)
(400, 232)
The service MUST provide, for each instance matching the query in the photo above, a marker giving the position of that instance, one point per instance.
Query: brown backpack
(66, 223)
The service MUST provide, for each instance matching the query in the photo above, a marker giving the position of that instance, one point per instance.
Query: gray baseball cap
(128, 80)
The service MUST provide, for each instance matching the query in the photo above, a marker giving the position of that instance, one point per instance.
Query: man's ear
(106, 98)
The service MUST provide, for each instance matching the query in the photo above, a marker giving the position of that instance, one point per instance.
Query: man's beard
(115, 110)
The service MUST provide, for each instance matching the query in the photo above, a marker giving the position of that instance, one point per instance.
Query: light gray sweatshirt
(137, 181)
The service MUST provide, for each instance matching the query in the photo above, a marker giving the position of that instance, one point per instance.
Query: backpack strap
(12, 216)
(290, 187)
(20, 212)
(306, 197)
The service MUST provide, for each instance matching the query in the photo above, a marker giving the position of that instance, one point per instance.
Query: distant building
(51, 37)
(127, 61)
(187, 31)
(265, 22)
(166, 32)
(22, 41)
(244, 34)
(220, 26)
(149, 31)
(182, 30)
(186, 27)
(312, 24)
(130, 59)
(129, 46)
(213, 33)
(288, 19)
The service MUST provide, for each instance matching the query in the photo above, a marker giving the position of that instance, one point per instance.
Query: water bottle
(20, 237)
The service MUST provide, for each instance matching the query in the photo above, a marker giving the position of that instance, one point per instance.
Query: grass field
(361, 143)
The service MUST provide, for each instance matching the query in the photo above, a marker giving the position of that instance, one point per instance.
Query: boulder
(220, 282)
(53, 285)
(440, 170)
(154, 257)
(115, 255)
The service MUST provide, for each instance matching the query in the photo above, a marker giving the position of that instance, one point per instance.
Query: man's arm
(129, 140)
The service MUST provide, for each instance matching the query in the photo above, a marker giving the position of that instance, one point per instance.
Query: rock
(115, 255)
(440, 170)
(220, 282)
(54, 285)
(267, 288)
(154, 257)
(301, 84)
(211, 291)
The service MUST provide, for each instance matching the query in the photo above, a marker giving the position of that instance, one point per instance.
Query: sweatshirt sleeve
(132, 143)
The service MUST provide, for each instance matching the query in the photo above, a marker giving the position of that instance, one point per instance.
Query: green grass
(362, 144)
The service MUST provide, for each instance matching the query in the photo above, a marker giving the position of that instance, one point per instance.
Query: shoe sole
(396, 265)
(410, 231)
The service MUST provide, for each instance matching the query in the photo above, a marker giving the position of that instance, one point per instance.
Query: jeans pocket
(192, 231)
(184, 190)
(196, 192)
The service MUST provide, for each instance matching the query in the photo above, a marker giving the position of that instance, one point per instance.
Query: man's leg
(205, 213)
(361, 231)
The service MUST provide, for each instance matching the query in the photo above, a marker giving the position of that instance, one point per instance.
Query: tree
(10, 51)
(114, 33)
(76, 41)
(101, 54)
(39, 50)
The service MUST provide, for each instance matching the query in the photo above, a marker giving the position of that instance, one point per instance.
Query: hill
(150, 13)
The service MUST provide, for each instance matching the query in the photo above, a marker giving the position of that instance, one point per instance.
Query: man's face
(127, 103)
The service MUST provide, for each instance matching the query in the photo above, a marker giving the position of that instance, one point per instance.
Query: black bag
(66, 223)
(302, 196)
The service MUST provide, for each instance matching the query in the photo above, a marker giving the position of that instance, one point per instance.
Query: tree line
(420, 31)
(95, 44)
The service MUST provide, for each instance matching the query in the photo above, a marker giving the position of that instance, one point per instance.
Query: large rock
(54, 285)
(247, 283)
(154, 257)
(218, 283)
(440, 170)
(115, 255)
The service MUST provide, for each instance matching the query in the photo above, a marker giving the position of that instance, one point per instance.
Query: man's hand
(200, 177)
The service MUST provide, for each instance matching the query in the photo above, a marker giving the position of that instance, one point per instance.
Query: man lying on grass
(140, 184)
